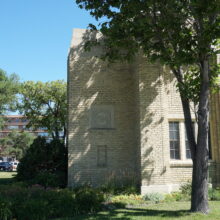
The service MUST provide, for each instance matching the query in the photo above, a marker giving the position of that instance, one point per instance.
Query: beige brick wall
(93, 82)
(144, 99)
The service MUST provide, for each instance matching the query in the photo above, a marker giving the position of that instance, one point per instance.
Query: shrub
(44, 163)
(154, 197)
(119, 190)
(186, 188)
(34, 209)
(47, 179)
(38, 203)
(214, 194)
(5, 209)
(61, 203)
(121, 201)
(175, 196)
(88, 200)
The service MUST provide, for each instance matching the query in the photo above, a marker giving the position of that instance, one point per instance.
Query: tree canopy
(15, 144)
(182, 34)
(45, 105)
(8, 90)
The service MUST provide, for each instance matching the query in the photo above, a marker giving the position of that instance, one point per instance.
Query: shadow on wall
(91, 83)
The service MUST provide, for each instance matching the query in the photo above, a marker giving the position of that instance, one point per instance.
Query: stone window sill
(181, 163)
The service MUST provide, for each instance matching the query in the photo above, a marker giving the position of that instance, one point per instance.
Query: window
(179, 143)
(174, 140)
(43, 134)
(13, 127)
(42, 128)
(24, 120)
(17, 120)
(2, 134)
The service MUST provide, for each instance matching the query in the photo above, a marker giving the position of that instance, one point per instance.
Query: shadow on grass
(131, 213)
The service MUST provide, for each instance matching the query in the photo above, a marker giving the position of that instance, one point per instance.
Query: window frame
(182, 140)
(175, 154)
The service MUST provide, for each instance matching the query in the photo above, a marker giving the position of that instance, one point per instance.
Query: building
(126, 123)
(19, 123)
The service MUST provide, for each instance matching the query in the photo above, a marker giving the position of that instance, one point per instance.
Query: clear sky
(35, 37)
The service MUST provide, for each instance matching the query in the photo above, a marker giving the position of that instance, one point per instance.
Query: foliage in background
(44, 163)
(45, 106)
(15, 144)
(9, 86)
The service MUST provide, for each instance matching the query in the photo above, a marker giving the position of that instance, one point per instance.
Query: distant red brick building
(19, 123)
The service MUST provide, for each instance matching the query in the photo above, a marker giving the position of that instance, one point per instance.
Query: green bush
(121, 201)
(186, 188)
(47, 179)
(38, 203)
(119, 190)
(175, 196)
(44, 163)
(5, 209)
(88, 200)
(214, 194)
(34, 209)
(154, 197)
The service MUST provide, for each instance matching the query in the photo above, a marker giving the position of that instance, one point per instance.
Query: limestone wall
(102, 128)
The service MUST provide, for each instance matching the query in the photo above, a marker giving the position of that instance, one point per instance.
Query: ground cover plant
(21, 201)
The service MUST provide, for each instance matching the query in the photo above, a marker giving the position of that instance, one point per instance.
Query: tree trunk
(189, 125)
(186, 111)
(199, 199)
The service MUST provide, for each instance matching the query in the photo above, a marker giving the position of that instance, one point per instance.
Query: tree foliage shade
(45, 105)
(166, 29)
(182, 34)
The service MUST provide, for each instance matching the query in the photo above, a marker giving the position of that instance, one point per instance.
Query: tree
(8, 89)
(45, 106)
(15, 144)
(179, 34)
(44, 163)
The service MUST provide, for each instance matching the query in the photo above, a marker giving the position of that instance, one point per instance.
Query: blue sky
(35, 37)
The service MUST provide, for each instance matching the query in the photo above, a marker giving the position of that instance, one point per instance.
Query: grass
(6, 177)
(161, 211)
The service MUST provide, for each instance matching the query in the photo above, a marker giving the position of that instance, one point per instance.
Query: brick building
(125, 123)
(18, 123)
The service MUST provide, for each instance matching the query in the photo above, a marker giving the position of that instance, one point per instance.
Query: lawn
(161, 211)
(6, 177)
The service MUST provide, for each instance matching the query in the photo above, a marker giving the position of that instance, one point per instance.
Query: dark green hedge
(44, 163)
